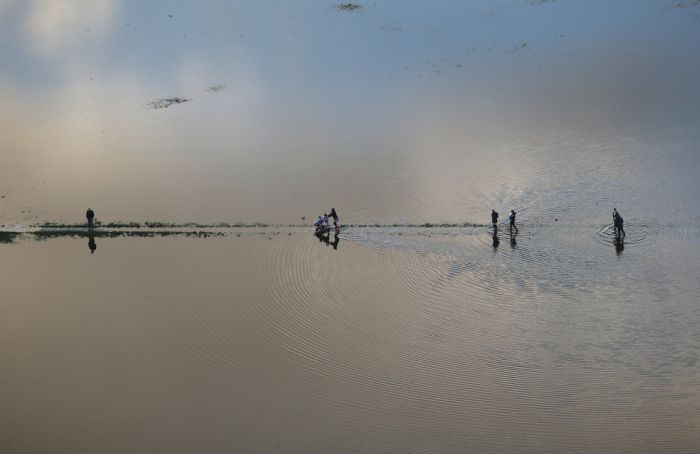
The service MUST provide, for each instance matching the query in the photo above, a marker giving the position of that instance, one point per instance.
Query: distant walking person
(511, 218)
(494, 219)
(90, 215)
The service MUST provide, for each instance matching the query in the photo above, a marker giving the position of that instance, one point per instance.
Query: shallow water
(396, 340)
(204, 316)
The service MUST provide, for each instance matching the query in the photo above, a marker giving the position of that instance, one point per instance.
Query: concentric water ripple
(635, 234)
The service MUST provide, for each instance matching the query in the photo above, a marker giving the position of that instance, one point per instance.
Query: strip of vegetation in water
(227, 225)
(42, 235)
(151, 229)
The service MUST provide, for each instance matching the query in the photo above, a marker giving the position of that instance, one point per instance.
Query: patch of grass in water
(109, 225)
(684, 4)
(164, 103)
(44, 235)
(57, 225)
(156, 225)
(119, 225)
(216, 88)
(348, 6)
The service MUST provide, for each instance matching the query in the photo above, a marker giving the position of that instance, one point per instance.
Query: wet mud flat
(395, 340)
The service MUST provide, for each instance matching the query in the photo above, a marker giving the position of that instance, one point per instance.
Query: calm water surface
(390, 337)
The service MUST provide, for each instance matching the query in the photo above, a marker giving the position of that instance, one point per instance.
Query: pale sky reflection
(61, 26)
(403, 111)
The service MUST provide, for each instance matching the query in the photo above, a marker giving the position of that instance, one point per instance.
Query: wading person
(511, 218)
(494, 219)
(619, 224)
(336, 225)
(319, 224)
(90, 215)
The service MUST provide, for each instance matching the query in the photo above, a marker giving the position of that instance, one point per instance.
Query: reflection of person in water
(495, 239)
(512, 238)
(619, 244)
(91, 242)
(336, 240)
(324, 237)
(90, 215)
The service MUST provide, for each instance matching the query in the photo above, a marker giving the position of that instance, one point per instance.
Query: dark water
(224, 325)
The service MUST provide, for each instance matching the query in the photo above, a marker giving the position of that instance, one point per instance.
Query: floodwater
(203, 315)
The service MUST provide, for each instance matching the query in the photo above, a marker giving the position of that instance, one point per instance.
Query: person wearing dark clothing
(615, 215)
(90, 215)
(336, 225)
(620, 225)
(511, 217)
(494, 219)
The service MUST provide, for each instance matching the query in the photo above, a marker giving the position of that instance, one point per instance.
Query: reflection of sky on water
(402, 110)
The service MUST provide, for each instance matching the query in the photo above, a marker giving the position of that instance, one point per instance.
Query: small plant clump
(349, 6)
(216, 88)
(684, 4)
(164, 103)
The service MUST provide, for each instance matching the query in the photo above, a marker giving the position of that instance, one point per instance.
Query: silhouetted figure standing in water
(619, 224)
(511, 218)
(494, 219)
(91, 242)
(335, 217)
(90, 215)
